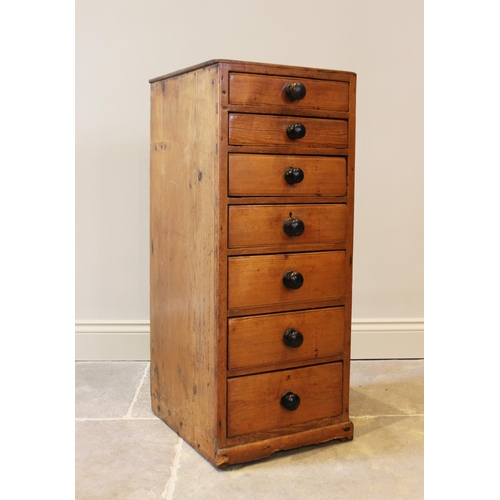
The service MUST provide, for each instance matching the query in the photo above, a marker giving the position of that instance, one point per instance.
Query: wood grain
(263, 175)
(231, 65)
(184, 242)
(257, 280)
(264, 447)
(266, 92)
(254, 401)
(350, 241)
(257, 341)
(261, 225)
(218, 305)
(249, 129)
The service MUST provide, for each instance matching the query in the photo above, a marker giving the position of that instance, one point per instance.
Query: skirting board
(129, 340)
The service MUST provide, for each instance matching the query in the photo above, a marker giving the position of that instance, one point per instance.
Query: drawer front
(256, 341)
(258, 90)
(254, 401)
(261, 225)
(259, 280)
(266, 175)
(262, 130)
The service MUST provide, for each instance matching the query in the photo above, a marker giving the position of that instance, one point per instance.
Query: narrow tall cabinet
(252, 191)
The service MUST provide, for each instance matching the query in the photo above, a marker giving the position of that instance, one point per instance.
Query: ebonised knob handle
(293, 338)
(295, 91)
(290, 401)
(294, 175)
(296, 131)
(293, 227)
(293, 280)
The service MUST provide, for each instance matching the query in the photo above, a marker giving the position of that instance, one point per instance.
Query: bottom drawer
(258, 402)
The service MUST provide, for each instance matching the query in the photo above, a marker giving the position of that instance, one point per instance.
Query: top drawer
(322, 97)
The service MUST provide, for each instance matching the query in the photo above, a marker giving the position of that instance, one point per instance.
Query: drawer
(254, 401)
(258, 90)
(258, 280)
(256, 341)
(266, 175)
(261, 225)
(262, 130)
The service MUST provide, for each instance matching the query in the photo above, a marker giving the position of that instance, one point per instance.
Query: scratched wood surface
(254, 401)
(249, 129)
(258, 280)
(218, 253)
(263, 175)
(262, 225)
(183, 252)
(265, 91)
(349, 242)
(257, 341)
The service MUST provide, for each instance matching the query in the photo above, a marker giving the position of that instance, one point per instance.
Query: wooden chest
(252, 190)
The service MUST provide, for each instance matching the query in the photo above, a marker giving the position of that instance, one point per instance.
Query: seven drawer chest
(251, 224)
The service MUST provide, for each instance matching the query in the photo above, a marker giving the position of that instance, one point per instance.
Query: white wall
(122, 44)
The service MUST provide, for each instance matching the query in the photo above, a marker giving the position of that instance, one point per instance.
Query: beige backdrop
(120, 44)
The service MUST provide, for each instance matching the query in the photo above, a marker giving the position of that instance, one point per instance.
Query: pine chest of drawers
(252, 190)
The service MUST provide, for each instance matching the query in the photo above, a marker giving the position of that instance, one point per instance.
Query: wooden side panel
(184, 246)
(258, 280)
(349, 239)
(271, 130)
(263, 175)
(257, 341)
(254, 401)
(261, 225)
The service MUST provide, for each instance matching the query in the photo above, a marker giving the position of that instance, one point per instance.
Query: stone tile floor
(124, 452)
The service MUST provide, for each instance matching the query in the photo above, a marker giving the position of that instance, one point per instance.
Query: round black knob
(296, 131)
(293, 279)
(293, 338)
(295, 91)
(293, 227)
(294, 175)
(290, 401)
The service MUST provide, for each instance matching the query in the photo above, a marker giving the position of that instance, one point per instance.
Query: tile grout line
(168, 492)
(107, 419)
(392, 415)
(134, 400)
